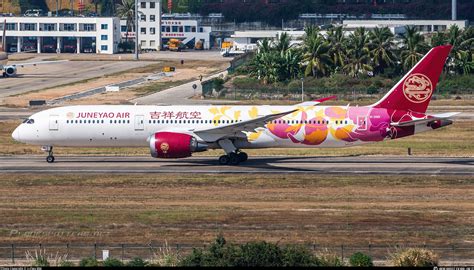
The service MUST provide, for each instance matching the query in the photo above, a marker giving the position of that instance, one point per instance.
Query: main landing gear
(233, 156)
(50, 157)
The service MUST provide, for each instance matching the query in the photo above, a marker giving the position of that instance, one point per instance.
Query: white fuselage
(132, 126)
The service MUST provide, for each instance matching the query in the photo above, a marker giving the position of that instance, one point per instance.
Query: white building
(397, 26)
(149, 25)
(62, 34)
(188, 31)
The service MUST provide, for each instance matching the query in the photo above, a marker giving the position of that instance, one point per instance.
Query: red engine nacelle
(174, 145)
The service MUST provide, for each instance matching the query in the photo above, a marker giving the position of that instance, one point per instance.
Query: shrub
(166, 257)
(360, 259)
(298, 256)
(330, 259)
(66, 264)
(137, 262)
(415, 257)
(39, 258)
(259, 254)
(41, 261)
(88, 262)
(113, 262)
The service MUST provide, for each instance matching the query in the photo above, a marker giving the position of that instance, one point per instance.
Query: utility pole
(302, 89)
(136, 29)
(453, 10)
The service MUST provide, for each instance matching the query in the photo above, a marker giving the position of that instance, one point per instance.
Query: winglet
(316, 102)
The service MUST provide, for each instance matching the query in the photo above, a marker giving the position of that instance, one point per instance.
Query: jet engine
(174, 145)
(9, 71)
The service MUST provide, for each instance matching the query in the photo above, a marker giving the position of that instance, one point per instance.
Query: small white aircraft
(178, 131)
(9, 70)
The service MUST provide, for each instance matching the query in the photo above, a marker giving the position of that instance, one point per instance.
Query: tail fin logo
(417, 88)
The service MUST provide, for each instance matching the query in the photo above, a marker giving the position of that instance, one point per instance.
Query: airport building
(62, 34)
(156, 32)
(398, 26)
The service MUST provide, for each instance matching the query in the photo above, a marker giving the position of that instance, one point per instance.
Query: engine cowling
(174, 145)
(9, 70)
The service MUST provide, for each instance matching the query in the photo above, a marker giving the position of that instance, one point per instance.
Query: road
(395, 165)
(180, 95)
(33, 78)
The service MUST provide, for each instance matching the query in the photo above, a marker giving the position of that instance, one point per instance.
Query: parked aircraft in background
(9, 70)
(178, 131)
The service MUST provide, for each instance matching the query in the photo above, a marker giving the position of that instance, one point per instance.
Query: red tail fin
(413, 92)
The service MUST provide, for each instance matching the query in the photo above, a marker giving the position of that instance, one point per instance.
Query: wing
(38, 63)
(435, 117)
(316, 102)
(236, 130)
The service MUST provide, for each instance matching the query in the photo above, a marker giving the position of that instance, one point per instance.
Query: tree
(461, 53)
(126, 10)
(107, 8)
(283, 43)
(414, 47)
(381, 50)
(358, 53)
(337, 42)
(316, 57)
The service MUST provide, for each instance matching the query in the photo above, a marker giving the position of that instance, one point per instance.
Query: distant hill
(20, 6)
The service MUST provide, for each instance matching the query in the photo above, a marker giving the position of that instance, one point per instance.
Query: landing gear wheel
(243, 156)
(234, 159)
(50, 159)
(224, 160)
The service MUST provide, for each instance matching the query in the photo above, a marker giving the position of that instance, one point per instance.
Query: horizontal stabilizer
(441, 116)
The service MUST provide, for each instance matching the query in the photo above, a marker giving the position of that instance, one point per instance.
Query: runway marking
(265, 165)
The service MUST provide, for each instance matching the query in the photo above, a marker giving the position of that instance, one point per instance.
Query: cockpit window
(29, 121)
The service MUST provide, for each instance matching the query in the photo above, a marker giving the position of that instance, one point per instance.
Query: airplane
(9, 70)
(180, 131)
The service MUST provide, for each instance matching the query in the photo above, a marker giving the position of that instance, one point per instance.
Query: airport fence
(12, 254)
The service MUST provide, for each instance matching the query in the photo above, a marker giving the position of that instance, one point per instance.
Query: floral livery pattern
(314, 125)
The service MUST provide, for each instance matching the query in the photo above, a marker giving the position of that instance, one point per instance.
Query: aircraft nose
(16, 134)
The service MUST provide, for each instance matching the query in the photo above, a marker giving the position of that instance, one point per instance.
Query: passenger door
(54, 122)
(139, 122)
(362, 122)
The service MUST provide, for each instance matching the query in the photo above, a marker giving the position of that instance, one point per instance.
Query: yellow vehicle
(199, 45)
(226, 45)
(175, 45)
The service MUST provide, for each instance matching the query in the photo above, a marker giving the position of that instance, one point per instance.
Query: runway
(396, 165)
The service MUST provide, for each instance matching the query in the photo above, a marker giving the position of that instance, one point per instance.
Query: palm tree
(337, 41)
(358, 53)
(438, 39)
(316, 57)
(127, 10)
(462, 42)
(414, 47)
(464, 63)
(292, 64)
(283, 43)
(381, 48)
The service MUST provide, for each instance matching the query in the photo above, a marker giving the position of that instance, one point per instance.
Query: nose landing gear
(50, 157)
